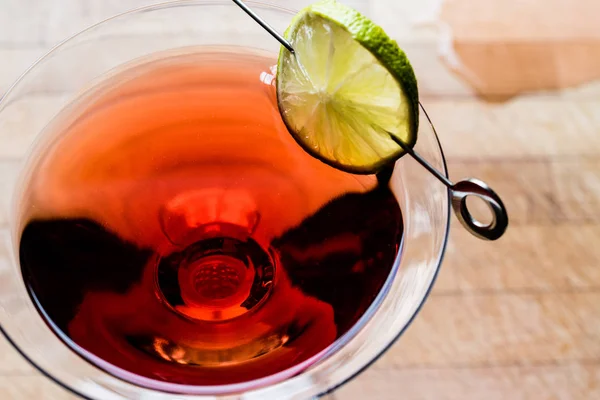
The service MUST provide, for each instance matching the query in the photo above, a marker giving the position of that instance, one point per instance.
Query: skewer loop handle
(474, 187)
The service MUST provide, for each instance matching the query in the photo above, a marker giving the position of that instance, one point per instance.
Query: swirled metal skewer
(459, 191)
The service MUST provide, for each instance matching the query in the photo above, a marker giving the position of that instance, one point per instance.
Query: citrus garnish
(347, 90)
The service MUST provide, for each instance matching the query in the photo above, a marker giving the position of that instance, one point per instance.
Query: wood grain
(526, 186)
(532, 127)
(481, 330)
(8, 175)
(509, 47)
(514, 319)
(15, 60)
(11, 362)
(577, 188)
(540, 259)
(517, 20)
(554, 382)
(31, 387)
(541, 190)
(536, 126)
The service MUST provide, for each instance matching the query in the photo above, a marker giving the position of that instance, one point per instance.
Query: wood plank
(530, 126)
(23, 119)
(493, 50)
(551, 241)
(501, 70)
(482, 330)
(8, 176)
(31, 387)
(526, 187)
(518, 20)
(29, 22)
(577, 188)
(509, 47)
(11, 362)
(528, 258)
(540, 191)
(494, 303)
(108, 8)
(564, 382)
(50, 23)
(14, 62)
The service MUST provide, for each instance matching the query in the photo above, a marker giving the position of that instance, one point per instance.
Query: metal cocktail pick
(459, 191)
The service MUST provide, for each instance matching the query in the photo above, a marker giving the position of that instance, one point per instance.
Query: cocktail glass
(58, 77)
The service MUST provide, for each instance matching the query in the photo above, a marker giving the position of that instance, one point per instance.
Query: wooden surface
(515, 103)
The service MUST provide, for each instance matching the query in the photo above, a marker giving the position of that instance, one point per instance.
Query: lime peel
(348, 93)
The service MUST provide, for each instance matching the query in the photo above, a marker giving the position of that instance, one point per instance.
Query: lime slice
(348, 90)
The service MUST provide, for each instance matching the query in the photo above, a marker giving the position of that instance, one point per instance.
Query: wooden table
(514, 319)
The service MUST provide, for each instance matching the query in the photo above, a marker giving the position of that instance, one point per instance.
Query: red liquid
(173, 227)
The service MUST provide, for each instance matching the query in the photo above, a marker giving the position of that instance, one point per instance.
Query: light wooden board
(31, 387)
(515, 319)
(500, 329)
(541, 259)
(552, 382)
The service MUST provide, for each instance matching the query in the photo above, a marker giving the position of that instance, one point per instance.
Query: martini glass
(61, 75)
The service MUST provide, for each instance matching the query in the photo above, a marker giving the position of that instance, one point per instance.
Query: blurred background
(513, 87)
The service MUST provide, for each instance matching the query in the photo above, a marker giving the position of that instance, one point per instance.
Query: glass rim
(281, 377)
